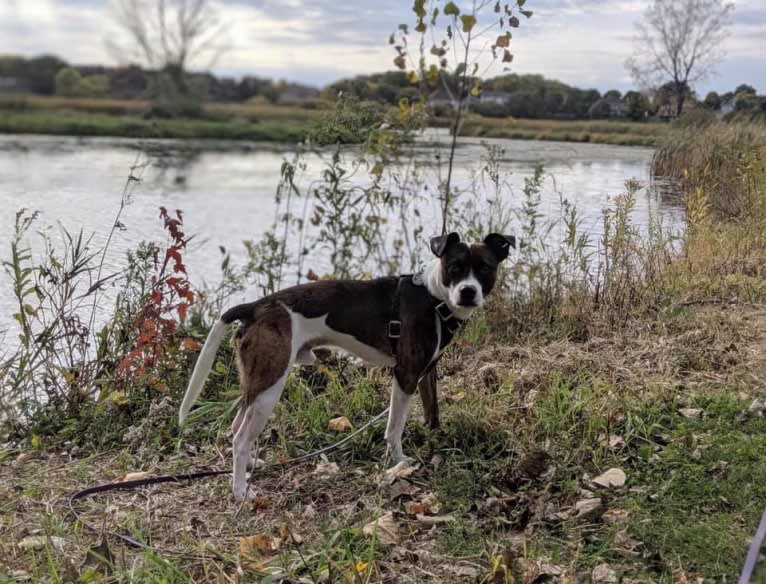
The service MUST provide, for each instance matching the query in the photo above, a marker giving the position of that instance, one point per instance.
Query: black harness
(449, 323)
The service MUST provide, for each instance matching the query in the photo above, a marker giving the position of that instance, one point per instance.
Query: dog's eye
(485, 269)
(454, 270)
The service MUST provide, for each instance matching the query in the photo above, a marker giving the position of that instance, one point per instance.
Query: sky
(580, 42)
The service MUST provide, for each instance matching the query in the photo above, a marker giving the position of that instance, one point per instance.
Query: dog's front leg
(427, 388)
(397, 418)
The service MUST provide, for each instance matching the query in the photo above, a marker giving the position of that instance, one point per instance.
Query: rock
(588, 508)
(38, 542)
(614, 477)
(603, 574)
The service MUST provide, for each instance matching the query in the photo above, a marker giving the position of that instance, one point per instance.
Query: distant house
(10, 83)
(295, 93)
(441, 98)
(666, 113)
(610, 106)
(497, 97)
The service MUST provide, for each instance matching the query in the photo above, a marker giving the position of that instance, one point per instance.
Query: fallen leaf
(691, 413)
(340, 424)
(361, 566)
(434, 519)
(540, 570)
(614, 477)
(288, 535)
(385, 528)
(427, 504)
(616, 442)
(588, 508)
(265, 543)
(135, 476)
(260, 502)
(326, 468)
(99, 558)
(38, 542)
(401, 470)
(612, 516)
(603, 574)
(309, 512)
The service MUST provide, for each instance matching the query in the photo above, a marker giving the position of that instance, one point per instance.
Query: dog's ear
(440, 244)
(500, 244)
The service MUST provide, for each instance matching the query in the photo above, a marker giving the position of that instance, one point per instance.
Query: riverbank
(593, 429)
(126, 118)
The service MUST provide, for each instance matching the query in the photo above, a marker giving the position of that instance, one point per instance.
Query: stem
(455, 131)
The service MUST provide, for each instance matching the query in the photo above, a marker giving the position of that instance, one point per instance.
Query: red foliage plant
(156, 324)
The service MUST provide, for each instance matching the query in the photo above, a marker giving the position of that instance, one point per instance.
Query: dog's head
(467, 272)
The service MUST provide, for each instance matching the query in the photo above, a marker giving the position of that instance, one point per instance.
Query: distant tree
(613, 93)
(68, 82)
(745, 89)
(679, 40)
(167, 35)
(638, 105)
(713, 101)
(40, 73)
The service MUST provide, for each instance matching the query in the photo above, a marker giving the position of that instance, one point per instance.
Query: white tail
(201, 369)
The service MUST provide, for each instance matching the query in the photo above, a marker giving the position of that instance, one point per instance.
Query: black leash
(129, 485)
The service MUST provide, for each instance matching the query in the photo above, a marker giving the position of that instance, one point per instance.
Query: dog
(403, 322)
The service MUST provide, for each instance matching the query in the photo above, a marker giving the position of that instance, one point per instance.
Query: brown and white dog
(401, 322)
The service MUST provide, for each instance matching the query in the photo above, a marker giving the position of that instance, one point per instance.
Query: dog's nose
(467, 295)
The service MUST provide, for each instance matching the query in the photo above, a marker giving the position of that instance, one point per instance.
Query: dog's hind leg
(255, 417)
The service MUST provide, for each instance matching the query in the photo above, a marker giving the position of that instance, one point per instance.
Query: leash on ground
(188, 477)
(754, 552)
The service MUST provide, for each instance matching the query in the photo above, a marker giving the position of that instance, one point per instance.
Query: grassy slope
(693, 495)
(55, 115)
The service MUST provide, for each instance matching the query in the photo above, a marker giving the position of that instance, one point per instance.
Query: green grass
(84, 124)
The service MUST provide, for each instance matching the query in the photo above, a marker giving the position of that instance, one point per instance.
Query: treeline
(514, 95)
(49, 75)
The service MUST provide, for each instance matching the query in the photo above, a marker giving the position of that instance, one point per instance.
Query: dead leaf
(434, 519)
(38, 542)
(385, 528)
(340, 424)
(616, 442)
(326, 468)
(588, 508)
(612, 516)
(264, 543)
(135, 476)
(427, 504)
(260, 502)
(614, 477)
(540, 570)
(288, 535)
(603, 574)
(402, 470)
(99, 558)
(691, 413)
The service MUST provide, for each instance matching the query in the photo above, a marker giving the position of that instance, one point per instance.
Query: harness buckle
(443, 311)
(394, 329)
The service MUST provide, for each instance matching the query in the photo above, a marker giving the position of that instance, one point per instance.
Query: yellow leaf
(361, 566)
(469, 21)
(412, 77)
(503, 40)
(340, 424)
(118, 397)
(377, 170)
(134, 476)
(37, 442)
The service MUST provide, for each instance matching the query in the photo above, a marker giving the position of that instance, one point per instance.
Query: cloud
(580, 42)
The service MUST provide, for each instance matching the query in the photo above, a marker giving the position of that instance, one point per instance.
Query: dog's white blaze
(432, 276)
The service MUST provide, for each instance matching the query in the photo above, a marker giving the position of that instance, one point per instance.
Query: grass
(597, 131)
(693, 496)
(264, 121)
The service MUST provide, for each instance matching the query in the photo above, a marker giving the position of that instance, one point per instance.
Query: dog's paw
(242, 494)
(255, 463)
